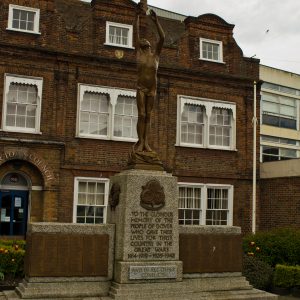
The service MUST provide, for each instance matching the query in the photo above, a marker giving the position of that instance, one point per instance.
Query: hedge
(287, 276)
(279, 246)
(12, 257)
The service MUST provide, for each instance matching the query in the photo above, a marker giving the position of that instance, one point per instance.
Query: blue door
(13, 212)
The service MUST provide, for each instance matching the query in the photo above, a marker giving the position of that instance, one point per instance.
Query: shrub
(284, 276)
(280, 246)
(12, 257)
(257, 272)
(297, 276)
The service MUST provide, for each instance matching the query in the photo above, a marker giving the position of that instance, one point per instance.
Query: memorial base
(205, 286)
(60, 288)
(148, 272)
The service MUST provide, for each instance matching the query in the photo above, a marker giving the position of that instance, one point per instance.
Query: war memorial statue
(147, 64)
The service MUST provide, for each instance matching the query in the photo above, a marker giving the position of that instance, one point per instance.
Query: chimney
(144, 5)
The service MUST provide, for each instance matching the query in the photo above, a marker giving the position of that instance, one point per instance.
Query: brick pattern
(71, 50)
(280, 203)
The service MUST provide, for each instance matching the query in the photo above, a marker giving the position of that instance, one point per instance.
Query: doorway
(13, 205)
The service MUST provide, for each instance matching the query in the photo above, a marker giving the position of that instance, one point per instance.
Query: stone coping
(212, 275)
(65, 279)
(144, 173)
(71, 228)
(209, 229)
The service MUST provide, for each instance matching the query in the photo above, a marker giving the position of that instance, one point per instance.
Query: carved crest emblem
(153, 196)
(114, 196)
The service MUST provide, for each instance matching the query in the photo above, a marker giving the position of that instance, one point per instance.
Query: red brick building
(68, 80)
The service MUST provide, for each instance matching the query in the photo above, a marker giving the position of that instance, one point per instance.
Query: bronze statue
(147, 65)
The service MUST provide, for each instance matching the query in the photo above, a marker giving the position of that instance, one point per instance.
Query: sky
(266, 29)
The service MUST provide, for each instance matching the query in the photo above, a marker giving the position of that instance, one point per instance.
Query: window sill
(205, 148)
(119, 46)
(210, 229)
(24, 31)
(21, 131)
(115, 139)
(214, 61)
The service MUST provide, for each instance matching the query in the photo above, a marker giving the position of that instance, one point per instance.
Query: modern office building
(280, 131)
(279, 203)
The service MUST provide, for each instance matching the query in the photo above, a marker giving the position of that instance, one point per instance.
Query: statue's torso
(147, 64)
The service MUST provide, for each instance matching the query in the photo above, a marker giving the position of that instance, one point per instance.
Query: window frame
(220, 50)
(36, 22)
(209, 105)
(114, 93)
(280, 96)
(123, 26)
(25, 80)
(203, 207)
(75, 196)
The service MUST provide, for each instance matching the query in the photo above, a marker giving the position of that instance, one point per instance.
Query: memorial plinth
(147, 238)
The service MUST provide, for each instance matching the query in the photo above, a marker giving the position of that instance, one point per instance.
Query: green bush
(297, 276)
(280, 246)
(257, 272)
(12, 257)
(287, 276)
(284, 276)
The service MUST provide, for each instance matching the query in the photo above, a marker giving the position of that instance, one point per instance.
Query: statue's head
(144, 44)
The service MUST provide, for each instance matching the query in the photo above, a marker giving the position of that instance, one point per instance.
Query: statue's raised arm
(161, 33)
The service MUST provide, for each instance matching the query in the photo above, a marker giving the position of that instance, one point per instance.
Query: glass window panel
(80, 220)
(11, 109)
(30, 17)
(288, 111)
(81, 198)
(16, 24)
(100, 188)
(21, 110)
(84, 127)
(92, 187)
(31, 110)
(103, 129)
(90, 220)
(23, 25)
(10, 120)
(100, 199)
(23, 15)
(90, 199)
(287, 101)
(20, 121)
(99, 211)
(82, 187)
(16, 13)
(30, 122)
(30, 26)
(104, 103)
(95, 105)
(80, 211)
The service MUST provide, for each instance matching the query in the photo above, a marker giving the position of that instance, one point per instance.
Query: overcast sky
(268, 29)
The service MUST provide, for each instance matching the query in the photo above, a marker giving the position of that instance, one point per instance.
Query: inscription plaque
(152, 272)
(151, 236)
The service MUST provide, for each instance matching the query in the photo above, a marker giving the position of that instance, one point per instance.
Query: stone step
(59, 290)
(196, 284)
(220, 295)
(11, 295)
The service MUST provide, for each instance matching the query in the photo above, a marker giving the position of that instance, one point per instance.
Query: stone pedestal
(146, 219)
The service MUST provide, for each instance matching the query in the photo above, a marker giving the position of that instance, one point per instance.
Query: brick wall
(279, 202)
(71, 50)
